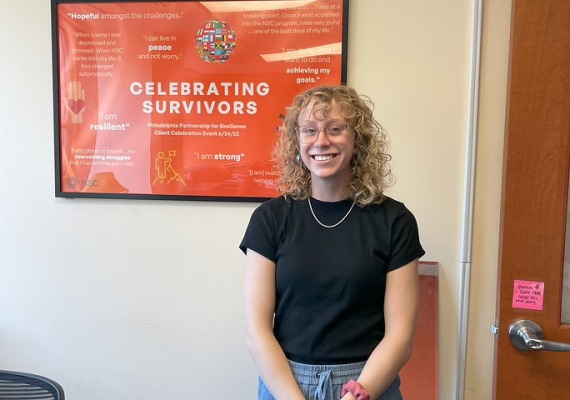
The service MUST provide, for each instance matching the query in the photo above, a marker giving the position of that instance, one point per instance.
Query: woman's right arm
(259, 310)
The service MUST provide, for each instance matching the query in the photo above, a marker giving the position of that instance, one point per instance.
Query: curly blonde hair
(371, 173)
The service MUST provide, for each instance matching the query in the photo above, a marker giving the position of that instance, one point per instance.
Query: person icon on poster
(163, 166)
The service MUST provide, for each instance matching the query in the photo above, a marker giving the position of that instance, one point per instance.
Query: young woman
(331, 283)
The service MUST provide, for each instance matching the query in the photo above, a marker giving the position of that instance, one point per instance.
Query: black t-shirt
(330, 283)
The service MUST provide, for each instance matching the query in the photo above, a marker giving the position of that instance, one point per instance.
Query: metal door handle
(527, 335)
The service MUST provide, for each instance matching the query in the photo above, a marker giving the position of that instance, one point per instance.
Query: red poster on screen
(184, 99)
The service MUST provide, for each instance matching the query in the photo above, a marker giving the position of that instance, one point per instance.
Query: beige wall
(86, 293)
(413, 59)
(419, 79)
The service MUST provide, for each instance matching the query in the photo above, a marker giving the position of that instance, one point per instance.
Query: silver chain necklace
(330, 226)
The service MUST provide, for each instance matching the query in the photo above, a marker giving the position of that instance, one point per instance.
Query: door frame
(496, 31)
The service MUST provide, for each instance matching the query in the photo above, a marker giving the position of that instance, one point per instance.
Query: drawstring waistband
(337, 374)
(325, 382)
(324, 388)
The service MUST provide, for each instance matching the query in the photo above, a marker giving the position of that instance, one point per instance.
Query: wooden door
(535, 192)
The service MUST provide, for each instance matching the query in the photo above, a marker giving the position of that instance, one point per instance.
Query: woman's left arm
(400, 312)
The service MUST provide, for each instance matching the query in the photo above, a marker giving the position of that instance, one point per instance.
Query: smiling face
(328, 148)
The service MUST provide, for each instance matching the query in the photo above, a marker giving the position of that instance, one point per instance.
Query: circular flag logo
(215, 41)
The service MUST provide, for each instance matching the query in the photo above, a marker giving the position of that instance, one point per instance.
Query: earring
(298, 159)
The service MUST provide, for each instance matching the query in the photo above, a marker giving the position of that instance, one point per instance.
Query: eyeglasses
(309, 133)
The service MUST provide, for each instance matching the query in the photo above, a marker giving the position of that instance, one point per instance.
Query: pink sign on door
(528, 295)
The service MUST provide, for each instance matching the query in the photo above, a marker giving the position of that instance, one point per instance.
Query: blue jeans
(325, 382)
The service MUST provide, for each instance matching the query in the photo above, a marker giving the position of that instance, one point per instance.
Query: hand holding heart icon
(76, 106)
(75, 103)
